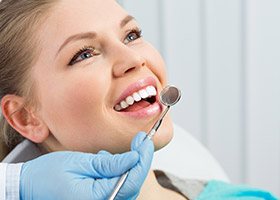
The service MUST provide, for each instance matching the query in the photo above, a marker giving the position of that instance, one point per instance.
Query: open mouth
(138, 100)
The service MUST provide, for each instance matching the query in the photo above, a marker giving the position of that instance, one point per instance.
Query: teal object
(218, 190)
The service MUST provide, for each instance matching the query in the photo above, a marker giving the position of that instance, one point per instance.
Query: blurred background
(225, 56)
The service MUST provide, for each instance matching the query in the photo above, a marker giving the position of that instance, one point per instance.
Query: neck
(151, 189)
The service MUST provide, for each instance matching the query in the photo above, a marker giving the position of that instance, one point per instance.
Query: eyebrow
(91, 35)
(125, 20)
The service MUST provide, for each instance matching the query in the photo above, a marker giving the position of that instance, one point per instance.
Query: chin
(164, 134)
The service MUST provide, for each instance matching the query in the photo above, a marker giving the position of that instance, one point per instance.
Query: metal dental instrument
(169, 96)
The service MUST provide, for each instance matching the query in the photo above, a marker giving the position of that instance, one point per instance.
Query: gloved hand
(138, 173)
(74, 175)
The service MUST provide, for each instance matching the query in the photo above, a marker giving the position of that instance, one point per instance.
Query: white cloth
(3, 168)
(10, 173)
(9, 181)
(12, 181)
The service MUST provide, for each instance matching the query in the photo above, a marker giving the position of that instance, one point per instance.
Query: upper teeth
(135, 97)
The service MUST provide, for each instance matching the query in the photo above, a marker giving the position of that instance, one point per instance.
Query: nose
(126, 59)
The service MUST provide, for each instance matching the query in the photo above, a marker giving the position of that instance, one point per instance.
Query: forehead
(70, 17)
(86, 13)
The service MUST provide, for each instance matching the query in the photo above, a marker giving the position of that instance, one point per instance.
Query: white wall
(225, 56)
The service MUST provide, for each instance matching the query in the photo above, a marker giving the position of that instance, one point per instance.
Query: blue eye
(83, 54)
(133, 35)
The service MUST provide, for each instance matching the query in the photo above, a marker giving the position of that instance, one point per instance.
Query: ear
(23, 119)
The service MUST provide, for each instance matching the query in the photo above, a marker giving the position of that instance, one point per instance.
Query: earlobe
(23, 119)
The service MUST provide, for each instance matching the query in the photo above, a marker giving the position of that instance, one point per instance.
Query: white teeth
(151, 91)
(129, 100)
(143, 93)
(124, 104)
(136, 96)
(118, 107)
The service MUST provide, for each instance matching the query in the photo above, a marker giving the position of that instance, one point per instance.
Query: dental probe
(169, 96)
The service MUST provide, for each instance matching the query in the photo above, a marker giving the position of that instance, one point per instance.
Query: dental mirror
(169, 96)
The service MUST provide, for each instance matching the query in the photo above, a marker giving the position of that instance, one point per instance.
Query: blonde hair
(19, 20)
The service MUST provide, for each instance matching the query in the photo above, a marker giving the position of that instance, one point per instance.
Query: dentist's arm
(74, 175)
(9, 181)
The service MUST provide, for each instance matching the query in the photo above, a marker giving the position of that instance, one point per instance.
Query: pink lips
(135, 87)
(145, 112)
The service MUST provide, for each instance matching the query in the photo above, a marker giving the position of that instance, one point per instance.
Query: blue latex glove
(75, 175)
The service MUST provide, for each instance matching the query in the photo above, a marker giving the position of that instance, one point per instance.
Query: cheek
(70, 109)
(164, 134)
(156, 63)
(76, 98)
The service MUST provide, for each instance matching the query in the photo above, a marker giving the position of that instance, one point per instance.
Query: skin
(76, 102)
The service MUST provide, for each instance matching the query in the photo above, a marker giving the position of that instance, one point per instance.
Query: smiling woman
(84, 73)
(80, 65)
(80, 77)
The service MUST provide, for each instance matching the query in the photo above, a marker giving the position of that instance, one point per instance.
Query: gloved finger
(137, 174)
(98, 189)
(107, 165)
(108, 186)
(103, 152)
(138, 140)
(88, 189)
(144, 147)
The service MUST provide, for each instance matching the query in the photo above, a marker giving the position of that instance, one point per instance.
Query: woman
(77, 75)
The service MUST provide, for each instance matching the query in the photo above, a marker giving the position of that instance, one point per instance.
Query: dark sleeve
(188, 188)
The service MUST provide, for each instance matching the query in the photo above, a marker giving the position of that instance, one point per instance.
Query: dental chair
(187, 158)
(184, 156)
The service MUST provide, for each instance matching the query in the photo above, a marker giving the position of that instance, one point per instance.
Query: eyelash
(91, 49)
(85, 49)
(135, 31)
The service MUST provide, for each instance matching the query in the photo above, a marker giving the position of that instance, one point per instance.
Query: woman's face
(92, 59)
